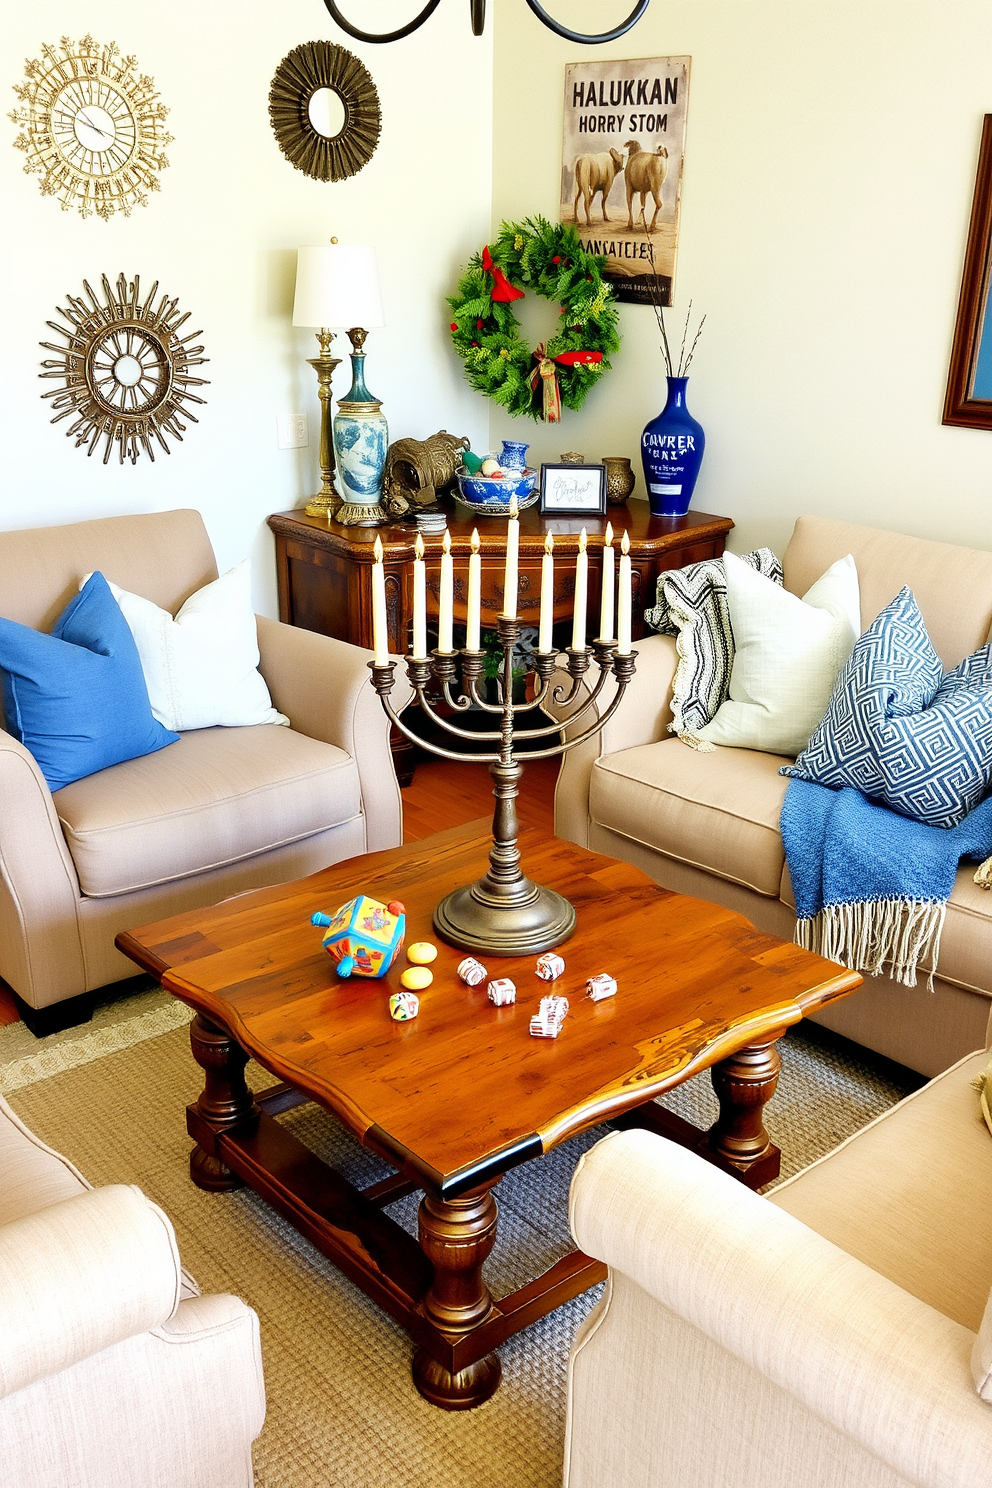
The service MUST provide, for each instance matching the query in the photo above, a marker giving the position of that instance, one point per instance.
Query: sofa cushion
(34, 1176)
(901, 1196)
(715, 811)
(218, 796)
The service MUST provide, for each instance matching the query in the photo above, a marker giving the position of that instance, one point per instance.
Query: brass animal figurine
(418, 470)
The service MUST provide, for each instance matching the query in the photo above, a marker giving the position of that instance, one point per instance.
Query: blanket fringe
(983, 874)
(704, 746)
(870, 936)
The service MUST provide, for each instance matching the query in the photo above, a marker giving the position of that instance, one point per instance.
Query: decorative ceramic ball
(403, 1006)
(491, 467)
(364, 936)
(417, 978)
(421, 953)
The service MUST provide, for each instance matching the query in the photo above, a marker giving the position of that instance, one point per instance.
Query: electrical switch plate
(292, 431)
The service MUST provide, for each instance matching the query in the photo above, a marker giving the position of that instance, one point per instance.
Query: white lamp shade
(337, 287)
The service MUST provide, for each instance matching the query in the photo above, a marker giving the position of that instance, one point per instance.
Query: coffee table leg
(744, 1085)
(457, 1235)
(226, 1101)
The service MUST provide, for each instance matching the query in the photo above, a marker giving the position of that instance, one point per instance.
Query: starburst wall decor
(93, 127)
(125, 370)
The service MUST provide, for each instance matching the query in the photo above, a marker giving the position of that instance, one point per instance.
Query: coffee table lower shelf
(434, 1289)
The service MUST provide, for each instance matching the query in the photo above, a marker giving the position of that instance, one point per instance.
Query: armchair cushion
(219, 796)
(82, 1275)
(77, 698)
(901, 1196)
(715, 811)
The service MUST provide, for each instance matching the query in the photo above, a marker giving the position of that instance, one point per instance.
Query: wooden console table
(325, 570)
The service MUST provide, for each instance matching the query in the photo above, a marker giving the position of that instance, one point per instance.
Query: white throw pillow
(787, 655)
(201, 668)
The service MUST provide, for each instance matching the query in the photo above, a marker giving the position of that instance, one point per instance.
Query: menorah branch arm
(382, 679)
(593, 729)
(555, 728)
(446, 724)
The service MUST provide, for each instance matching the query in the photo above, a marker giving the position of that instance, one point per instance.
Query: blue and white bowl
(491, 497)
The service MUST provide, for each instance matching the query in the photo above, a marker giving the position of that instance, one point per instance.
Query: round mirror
(127, 370)
(326, 112)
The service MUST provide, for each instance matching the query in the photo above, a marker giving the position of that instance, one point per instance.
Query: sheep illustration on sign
(364, 936)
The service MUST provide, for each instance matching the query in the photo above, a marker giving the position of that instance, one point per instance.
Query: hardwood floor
(444, 793)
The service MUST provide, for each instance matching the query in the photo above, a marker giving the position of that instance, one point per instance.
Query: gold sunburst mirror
(125, 370)
(92, 127)
(324, 109)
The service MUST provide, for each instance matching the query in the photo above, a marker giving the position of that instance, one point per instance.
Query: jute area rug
(341, 1407)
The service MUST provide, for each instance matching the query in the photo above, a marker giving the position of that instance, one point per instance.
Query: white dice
(501, 992)
(601, 986)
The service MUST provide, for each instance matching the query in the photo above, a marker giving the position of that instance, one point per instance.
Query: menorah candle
(474, 620)
(547, 595)
(419, 601)
(512, 560)
(623, 600)
(446, 618)
(581, 589)
(606, 603)
(380, 633)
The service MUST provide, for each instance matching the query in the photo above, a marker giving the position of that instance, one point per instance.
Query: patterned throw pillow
(692, 605)
(900, 731)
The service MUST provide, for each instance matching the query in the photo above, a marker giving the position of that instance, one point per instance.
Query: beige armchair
(222, 811)
(114, 1372)
(825, 1336)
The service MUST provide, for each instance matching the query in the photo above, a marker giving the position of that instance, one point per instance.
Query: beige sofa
(707, 824)
(114, 1371)
(222, 811)
(824, 1336)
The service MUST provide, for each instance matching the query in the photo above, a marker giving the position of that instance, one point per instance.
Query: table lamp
(337, 288)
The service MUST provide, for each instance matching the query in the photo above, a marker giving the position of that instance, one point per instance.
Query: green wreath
(549, 260)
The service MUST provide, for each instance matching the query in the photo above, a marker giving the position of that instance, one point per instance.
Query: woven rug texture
(341, 1406)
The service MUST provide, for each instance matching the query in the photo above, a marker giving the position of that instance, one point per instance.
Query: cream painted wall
(222, 235)
(830, 165)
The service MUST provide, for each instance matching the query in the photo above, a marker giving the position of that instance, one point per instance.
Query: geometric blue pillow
(77, 698)
(900, 731)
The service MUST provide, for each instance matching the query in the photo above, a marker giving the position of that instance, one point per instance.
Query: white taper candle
(547, 595)
(606, 600)
(474, 621)
(380, 629)
(581, 592)
(623, 599)
(510, 580)
(446, 619)
(419, 601)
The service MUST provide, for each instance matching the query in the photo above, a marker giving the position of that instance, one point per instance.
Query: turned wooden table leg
(744, 1085)
(226, 1101)
(457, 1235)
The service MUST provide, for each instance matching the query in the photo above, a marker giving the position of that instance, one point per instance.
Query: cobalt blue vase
(672, 451)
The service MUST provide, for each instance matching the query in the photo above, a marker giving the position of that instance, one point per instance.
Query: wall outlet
(292, 431)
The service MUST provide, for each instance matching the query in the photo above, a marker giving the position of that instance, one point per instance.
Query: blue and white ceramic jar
(361, 439)
(672, 448)
(514, 455)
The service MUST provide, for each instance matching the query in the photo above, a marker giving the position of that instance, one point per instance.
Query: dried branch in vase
(653, 281)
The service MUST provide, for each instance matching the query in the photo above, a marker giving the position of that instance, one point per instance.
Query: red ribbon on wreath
(502, 290)
(547, 372)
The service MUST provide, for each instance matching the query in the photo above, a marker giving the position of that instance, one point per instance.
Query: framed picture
(623, 144)
(969, 382)
(568, 490)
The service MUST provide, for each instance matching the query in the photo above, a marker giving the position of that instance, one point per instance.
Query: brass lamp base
(361, 514)
(529, 920)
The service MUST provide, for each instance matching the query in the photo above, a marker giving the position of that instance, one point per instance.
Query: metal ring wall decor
(305, 71)
(125, 370)
(478, 9)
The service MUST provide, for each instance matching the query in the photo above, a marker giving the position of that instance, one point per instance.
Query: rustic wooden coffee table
(458, 1096)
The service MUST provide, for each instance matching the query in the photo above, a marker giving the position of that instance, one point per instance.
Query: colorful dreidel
(364, 936)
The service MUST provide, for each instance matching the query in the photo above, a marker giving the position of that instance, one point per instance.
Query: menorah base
(532, 919)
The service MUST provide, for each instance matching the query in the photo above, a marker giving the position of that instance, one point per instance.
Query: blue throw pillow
(900, 731)
(77, 698)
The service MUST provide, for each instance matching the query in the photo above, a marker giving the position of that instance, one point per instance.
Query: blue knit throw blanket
(871, 886)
